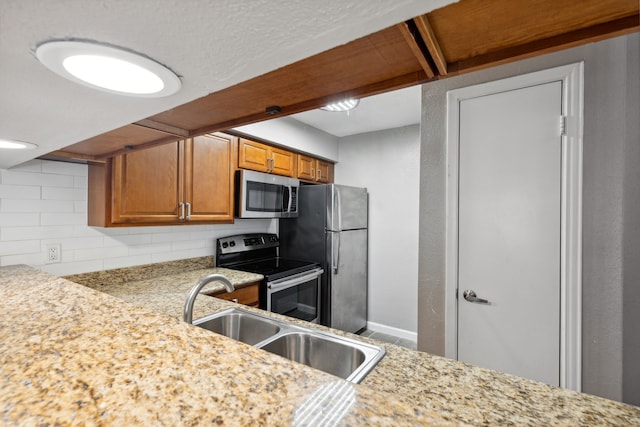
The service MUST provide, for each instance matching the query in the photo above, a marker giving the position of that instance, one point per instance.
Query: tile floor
(403, 342)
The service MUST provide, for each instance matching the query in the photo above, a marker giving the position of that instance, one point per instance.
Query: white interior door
(509, 231)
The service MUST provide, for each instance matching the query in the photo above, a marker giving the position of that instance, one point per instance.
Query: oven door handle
(287, 282)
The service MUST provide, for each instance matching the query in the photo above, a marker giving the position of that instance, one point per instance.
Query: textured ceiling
(210, 44)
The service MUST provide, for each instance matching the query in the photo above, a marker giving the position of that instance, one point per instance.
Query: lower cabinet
(181, 182)
(247, 295)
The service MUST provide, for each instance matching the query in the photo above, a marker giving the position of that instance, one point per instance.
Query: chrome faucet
(191, 299)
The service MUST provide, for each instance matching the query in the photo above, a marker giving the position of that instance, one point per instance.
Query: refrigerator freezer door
(347, 208)
(348, 283)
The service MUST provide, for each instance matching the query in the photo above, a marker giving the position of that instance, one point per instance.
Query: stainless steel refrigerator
(331, 229)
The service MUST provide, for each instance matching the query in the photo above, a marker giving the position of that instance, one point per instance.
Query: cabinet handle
(235, 300)
(313, 173)
(319, 174)
(270, 165)
(188, 211)
(181, 207)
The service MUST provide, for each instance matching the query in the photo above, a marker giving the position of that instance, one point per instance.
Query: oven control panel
(246, 242)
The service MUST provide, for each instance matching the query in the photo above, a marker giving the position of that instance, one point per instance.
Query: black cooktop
(275, 268)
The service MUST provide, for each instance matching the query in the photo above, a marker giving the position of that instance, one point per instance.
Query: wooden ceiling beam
(574, 38)
(415, 48)
(377, 88)
(162, 127)
(67, 156)
(103, 157)
(429, 38)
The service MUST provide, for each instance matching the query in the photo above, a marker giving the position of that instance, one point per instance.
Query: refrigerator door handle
(338, 208)
(335, 253)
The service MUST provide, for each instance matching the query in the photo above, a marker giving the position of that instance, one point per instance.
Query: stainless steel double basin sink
(340, 356)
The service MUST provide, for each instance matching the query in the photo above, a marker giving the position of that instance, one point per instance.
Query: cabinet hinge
(563, 125)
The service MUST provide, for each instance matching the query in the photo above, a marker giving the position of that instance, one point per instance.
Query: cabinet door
(147, 185)
(282, 161)
(253, 155)
(209, 178)
(306, 167)
(324, 171)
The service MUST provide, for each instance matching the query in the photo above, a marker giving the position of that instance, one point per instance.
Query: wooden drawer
(247, 295)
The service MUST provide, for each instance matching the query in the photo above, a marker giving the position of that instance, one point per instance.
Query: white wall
(43, 202)
(388, 164)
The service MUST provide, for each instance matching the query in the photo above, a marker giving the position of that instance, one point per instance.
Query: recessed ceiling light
(10, 144)
(108, 68)
(344, 105)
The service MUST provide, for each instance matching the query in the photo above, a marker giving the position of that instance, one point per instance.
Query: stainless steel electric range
(290, 287)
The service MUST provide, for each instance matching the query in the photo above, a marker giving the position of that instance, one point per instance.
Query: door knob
(472, 297)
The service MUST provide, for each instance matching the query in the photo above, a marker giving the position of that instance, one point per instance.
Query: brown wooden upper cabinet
(265, 158)
(314, 170)
(182, 182)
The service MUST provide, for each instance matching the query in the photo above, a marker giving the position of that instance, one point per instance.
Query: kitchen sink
(330, 354)
(337, 355)
(239, 325)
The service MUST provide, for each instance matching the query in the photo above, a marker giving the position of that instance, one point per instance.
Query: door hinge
(563, 125)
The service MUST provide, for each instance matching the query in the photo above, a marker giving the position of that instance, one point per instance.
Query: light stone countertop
(163, 357)
(70, 355)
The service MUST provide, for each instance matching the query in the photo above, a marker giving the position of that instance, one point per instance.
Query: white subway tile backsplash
(149, 249)
(29, 233)
(36, 205)
(20, 247)
(80, 207)
(169, 237)
(55, 193)
(19, 219)
(63, 218)
(80, 181)
(26, 178)
(20, 192)
(45, 202)
(187, 245)
(128, 240)
(99, 253)
(28, 259)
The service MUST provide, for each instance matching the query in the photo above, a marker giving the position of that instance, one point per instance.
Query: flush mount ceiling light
(10, 144)
(344, 105)
(108, 68)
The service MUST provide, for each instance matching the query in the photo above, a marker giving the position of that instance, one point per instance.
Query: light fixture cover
(343, 105)
(108, 68)
(12, 144)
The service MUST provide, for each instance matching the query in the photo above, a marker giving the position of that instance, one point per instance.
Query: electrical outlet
(53, 253)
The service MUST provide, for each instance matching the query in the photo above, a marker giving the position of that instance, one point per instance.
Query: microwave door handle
(286, 198)
(290, 201)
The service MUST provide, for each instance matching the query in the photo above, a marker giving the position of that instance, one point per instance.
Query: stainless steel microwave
(262, 195)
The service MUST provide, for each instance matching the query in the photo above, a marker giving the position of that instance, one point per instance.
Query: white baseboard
(390, 330)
